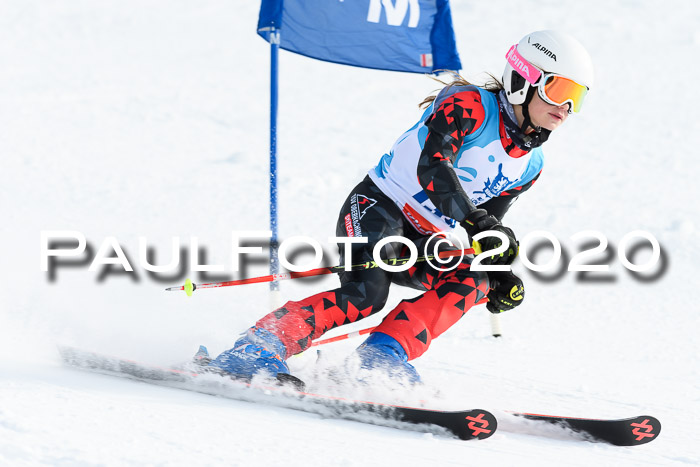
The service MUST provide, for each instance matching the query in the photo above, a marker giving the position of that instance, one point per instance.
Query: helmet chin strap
(513, 128)
(540, 135)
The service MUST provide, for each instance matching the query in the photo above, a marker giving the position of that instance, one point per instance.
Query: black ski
(623, 432)
(288, 393)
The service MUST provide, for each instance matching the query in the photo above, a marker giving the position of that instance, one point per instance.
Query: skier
(471, 154)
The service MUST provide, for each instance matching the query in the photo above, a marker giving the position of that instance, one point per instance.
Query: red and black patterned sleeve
(457, 116)
(499, 205)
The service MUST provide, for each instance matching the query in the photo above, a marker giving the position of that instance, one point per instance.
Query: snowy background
(128, 119)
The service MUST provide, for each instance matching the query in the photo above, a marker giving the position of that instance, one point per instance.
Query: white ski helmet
(550, 52)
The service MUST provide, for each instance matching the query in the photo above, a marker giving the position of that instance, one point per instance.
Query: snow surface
(128, 119)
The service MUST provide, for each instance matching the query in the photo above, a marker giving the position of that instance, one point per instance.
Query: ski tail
(202, 357)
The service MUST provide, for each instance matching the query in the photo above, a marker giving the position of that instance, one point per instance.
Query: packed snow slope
(126, 118)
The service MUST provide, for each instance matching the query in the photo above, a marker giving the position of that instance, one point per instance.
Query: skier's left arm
(506, 290)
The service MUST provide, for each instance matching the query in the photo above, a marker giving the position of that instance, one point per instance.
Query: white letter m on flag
(395, 12)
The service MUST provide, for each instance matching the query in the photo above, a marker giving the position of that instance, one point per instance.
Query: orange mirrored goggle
(557, 90)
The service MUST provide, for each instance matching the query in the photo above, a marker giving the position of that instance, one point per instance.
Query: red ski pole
(349, 335)
(190, 287)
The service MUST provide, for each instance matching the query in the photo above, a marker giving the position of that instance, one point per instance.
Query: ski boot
(382, 352)
(257, 351)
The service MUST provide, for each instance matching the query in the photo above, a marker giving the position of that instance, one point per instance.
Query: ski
(623, 432)
(288, 392)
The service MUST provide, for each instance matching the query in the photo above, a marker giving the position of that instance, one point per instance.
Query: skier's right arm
(457, 116)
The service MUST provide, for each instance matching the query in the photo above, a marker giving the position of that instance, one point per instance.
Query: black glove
(479, 221)
(506, 292)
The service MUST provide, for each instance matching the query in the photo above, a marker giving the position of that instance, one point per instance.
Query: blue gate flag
(397, 35)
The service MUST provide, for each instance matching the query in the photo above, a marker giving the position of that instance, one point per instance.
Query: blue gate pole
(274, 242)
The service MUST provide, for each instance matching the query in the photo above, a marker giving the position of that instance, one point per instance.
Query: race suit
(457, 157)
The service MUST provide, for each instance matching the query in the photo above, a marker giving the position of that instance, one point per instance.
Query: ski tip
(477, 424)
(203, 352)
(619, 432)
(642, 430)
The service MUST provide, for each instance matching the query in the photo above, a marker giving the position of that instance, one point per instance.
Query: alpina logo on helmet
(545, 51)
(524, 68)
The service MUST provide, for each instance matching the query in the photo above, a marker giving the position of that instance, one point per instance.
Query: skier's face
(546, 115)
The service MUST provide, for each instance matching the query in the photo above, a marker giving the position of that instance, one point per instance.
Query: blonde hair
(492, 84)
